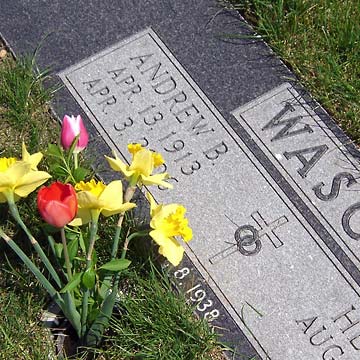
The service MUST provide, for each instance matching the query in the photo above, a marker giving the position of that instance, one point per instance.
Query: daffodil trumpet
(95, 198)
(19, 178)
(168, 224)
(140, 171)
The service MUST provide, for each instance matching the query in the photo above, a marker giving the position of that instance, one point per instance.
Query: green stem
(115, 245)
(66, 254)
(84, 312)
(15, 213)
(71, 153)
(67, 168)
(93, 231)
(76, 160)
(97, 329)
(128, 239)
(129, 193)
(31, 266)
(85, 300)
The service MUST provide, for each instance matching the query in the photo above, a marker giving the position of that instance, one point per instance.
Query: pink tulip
(71, 127)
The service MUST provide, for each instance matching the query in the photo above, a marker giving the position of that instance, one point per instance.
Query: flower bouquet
(83, 288)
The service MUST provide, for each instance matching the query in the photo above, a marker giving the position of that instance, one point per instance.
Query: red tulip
(71, 127)
(57, 204)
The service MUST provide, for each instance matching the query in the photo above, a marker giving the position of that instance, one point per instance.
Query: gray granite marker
(271, 235)
(268, 180)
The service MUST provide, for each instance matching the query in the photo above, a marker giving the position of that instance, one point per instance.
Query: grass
(154, 321)
(22, 335)
(320, 42)
(24, 106)
(24, 115)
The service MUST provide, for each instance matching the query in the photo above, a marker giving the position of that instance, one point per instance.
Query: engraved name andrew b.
(153, 89)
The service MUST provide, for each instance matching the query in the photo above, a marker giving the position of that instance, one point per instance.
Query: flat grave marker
(270, 198)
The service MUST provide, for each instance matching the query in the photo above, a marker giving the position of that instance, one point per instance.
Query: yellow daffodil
(19, 178)
(95, 198)
(167, 221)
(32, 159)
(141, 168)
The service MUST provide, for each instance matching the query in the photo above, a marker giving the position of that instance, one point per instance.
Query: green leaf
(101, 323)
(89, 277)
(105, 286)
(54, 150)
(86, 238)
(49, 229)
(58, 250)
(73, 248)
(52, 244)
(82, 243)
(72, 148)
(94, 257)
(116, 265)
(69, 310)
(80, 174)
(75, 281)
(93, 315)
(58, 170)
(78, 302)
(70, 235)
(79, 258)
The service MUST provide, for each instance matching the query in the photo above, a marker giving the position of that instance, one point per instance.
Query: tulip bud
(57, 204)
(71, 127)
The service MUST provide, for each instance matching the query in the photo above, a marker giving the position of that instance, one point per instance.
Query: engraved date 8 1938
(197, 295)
